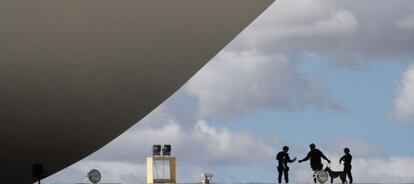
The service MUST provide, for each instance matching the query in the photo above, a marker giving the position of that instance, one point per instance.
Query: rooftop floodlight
(156, 150)
(166, 150)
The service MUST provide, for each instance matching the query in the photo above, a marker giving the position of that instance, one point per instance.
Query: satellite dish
(321, 176)
(94, 176)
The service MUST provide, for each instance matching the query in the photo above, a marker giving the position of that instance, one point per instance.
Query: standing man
(315, 156)
(283, 159)
(347, 158)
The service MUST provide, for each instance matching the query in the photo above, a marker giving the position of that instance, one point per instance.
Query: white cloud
(394, 169)
(234, 83)
(223, 146)
(404, 102)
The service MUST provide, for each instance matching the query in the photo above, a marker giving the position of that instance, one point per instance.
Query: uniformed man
(347, 158)
(283, 160)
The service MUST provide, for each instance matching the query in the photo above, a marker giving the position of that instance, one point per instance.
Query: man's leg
(347, 171)
(350, 176)
(286, 173)
(279, 178)
(315, 169)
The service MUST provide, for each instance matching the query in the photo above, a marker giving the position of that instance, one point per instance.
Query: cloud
(225, 147)
(235, 83)
(394, 169)
(404, 101)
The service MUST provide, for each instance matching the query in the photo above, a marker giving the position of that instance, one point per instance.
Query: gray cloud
(236, 83)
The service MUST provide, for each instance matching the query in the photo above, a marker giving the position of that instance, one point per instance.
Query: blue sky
(335, 73)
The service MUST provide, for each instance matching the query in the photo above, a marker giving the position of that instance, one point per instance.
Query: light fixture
(166, 150)
(94, 176)
(156, 150)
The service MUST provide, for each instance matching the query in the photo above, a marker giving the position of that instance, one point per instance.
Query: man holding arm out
(315, 156)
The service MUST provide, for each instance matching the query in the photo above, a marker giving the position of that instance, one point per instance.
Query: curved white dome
(75, 74)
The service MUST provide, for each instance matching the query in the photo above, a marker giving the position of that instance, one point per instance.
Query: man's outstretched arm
(304, 159)
(291, 160)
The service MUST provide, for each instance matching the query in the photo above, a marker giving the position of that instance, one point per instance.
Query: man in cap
(283, 159)
(315, 156)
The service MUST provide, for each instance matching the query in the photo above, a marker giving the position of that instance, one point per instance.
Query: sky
(330, 72)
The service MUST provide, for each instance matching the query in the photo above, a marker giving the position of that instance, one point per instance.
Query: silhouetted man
(283, 159)
(315, 156)
(347, 158)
